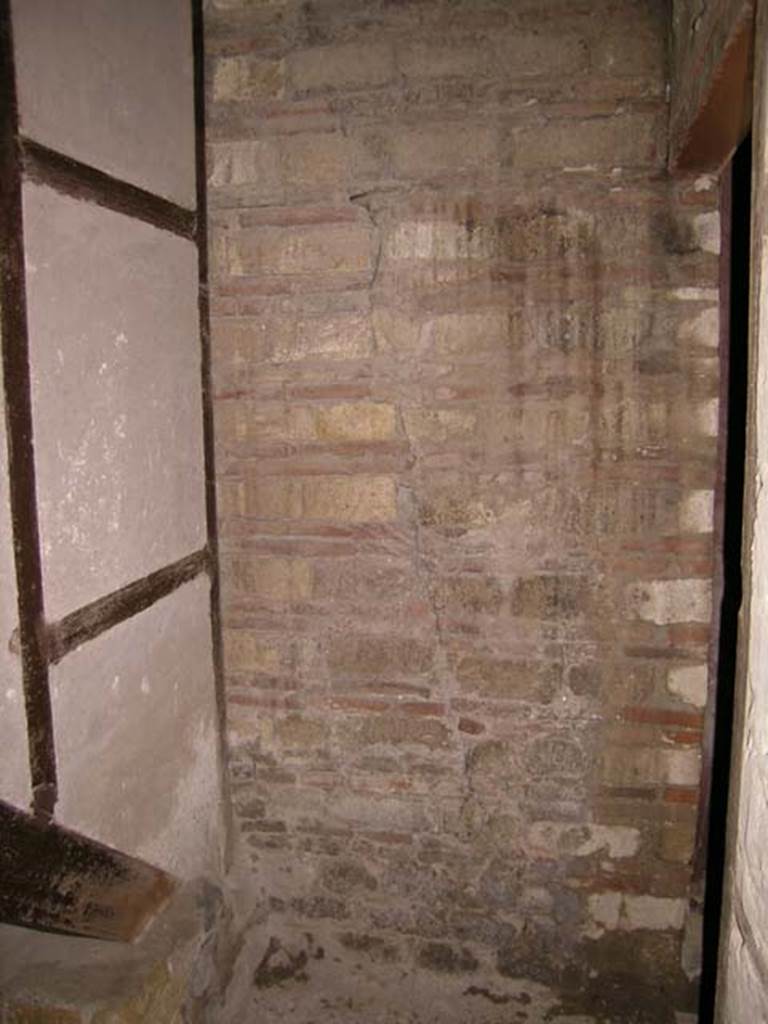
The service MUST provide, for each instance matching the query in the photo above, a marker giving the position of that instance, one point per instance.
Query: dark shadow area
(735, 366)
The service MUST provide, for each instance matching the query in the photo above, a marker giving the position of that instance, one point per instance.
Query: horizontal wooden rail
(56, 880)
(82, 181)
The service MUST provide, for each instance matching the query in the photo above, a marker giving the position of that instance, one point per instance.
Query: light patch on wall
(689, 683)
(615, 841)
(193, 833)
(692, 294)
(703, 329)
(604, 909)
(668, 601)
(705, 182)
(706, 228)
(655, 913)
(697, 512)
(613, 911)
(707, 414)
(414, 240)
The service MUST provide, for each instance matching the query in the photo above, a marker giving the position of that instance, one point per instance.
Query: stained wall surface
(465, 346)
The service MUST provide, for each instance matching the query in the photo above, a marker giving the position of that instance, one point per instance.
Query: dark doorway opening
(736, 212)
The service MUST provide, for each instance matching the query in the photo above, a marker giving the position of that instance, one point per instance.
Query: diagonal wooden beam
(73, 178)
(724, 117)
(53, 879)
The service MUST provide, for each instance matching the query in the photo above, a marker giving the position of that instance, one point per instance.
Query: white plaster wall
(745, 990)
(109, 82)
(743, 980)
(136, 736)
(745, 931)
(115, 363)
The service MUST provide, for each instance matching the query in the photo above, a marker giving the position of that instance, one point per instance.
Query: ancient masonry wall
(465, 345)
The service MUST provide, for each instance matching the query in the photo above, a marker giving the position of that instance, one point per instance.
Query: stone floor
(297, 980)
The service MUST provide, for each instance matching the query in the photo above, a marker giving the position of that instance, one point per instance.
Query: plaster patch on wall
(703, 329)
(668, 601)
(653, 912)
(689, 683)
(191, 840)
(614, 911)
(707, 417)
(557, 839)
(683, 767)
(705, 182)
(604, 910)
(706, 229)
(697, 511)
(421, 240)
(693, 294)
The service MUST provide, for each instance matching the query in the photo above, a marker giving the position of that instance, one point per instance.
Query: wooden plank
(21, 457)
(81, 181)
(724, 118)
(211, 515)
(93, 619)
(53, 879)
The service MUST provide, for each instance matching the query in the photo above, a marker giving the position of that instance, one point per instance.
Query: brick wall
(465, 344)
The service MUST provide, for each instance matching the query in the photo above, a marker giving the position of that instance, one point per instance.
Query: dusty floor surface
(297, 979)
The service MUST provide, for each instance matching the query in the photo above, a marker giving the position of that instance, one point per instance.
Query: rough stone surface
(465, 355)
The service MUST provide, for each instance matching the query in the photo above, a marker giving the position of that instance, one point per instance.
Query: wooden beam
(725, 115)
(73, 178)
(17, 388)
(96, 618)
(52, 879)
